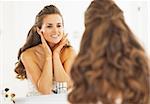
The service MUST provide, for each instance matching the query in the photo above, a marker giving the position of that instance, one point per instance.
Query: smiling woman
(46, 57)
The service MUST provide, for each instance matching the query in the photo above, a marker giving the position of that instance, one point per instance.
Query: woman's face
(52, 28)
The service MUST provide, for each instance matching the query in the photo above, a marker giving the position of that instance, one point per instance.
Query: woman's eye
(49, 26)
(59, 26)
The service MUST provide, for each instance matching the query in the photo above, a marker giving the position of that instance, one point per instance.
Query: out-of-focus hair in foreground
(112, 66)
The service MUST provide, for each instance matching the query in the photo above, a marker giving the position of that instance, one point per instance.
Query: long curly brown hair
(33, 38)
(111, 63)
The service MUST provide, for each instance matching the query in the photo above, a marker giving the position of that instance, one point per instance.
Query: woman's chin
(54, 42)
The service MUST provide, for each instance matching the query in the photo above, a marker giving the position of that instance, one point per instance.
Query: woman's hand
(46, 48)
(62, 43)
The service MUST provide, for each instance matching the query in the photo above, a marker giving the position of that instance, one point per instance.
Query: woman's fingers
(45, 45)
(41, 34)
(64, 39)
(42, 38)
(65, 36)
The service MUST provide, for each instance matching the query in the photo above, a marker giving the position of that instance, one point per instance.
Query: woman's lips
(54, 36)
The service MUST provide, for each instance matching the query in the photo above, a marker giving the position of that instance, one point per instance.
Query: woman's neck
(51, 46)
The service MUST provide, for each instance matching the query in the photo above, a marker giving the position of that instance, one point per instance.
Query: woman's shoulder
(68, 52)
(31, 52)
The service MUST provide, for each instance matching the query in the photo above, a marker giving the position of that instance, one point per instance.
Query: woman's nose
(55, 30)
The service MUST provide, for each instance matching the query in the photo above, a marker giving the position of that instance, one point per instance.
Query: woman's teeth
(54, 36)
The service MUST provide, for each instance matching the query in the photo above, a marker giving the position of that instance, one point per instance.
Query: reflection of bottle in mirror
(7, 97)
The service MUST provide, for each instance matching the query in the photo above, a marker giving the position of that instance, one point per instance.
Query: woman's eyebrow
(49, 24)
(59, 23)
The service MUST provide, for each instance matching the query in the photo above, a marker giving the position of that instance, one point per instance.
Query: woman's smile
(54, 36)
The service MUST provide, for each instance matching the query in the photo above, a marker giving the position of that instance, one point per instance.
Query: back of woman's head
(111, 63)
(33, 38)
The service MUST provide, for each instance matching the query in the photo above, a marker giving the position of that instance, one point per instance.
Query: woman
(112, 66)
(46, 57)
